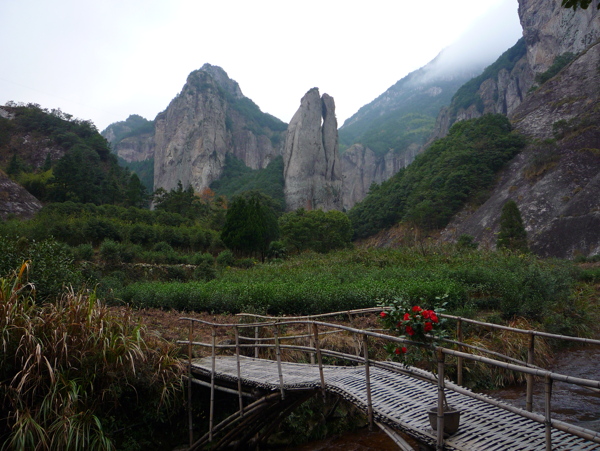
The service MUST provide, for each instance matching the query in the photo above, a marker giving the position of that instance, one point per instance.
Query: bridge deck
(402, 402)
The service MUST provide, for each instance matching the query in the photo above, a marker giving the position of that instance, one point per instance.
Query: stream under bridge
(255, 367)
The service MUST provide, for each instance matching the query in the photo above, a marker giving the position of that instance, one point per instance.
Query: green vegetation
(144, 169)
(409, 121)
(398, 133)
(467, 94)
(310, 283)
(315, 230)
(250, 225)
(559, 63)
(577, 3)
(451, 172)
(75, 375)
(238, 178)
(134, 125)
(512, 234)
(86, 172)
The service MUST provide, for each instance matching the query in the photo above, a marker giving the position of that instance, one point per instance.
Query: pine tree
(512, 233)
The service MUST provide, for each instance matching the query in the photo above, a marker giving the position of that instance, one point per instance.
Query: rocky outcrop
(15, 201)
(361, 167)
(136, 148)
(551, 30)
(209, 118)
(312, 171)
(556, 180)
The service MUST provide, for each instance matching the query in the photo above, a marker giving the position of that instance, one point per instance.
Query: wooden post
(548, 421)
(319, 357)
(190, 420)
(212, 384)
(459, 365)
(530, 360)
(311, 343)
(440, 403)
(368, 380)
(256, 342)
(278, 354)
(239, 371)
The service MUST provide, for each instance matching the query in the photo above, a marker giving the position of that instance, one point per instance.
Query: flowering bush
(415, 323)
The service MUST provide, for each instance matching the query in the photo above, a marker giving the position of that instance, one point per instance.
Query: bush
(110, 252)
(225, 258)
(203, 259)
(83, 252)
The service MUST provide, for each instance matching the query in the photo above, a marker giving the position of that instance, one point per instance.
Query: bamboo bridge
(396, 398)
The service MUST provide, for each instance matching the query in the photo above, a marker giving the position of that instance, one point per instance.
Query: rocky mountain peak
(221, 78)
(312, 170)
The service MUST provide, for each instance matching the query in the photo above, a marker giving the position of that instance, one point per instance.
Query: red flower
(410, 331)
(416, 308)
(427, 314)
(401, 350)
(383, 314)
(406, 316)
(428, 326)
(434, 318)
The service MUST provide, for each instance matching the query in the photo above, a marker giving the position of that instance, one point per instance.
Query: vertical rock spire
(312, 170)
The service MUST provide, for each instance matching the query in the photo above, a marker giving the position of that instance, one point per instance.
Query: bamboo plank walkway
(401, 402)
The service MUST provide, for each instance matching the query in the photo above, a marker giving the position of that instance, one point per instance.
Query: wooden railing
(313, 347)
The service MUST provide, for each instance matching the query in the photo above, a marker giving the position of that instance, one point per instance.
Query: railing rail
(314, 348)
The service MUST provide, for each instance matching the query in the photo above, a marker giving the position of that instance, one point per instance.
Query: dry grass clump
(511, 344)
(71, 369)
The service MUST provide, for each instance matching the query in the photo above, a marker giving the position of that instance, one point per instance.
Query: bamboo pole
(239, 371)
(459, 365)
(256, 342)
(368, 381)
(530, 360)
(190, 419)
(212, 384)
(278, 354)
(440, 403)
(548, 406)
(311, 344)
(319, 357)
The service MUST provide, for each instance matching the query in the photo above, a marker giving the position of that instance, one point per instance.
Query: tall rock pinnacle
(312, 170)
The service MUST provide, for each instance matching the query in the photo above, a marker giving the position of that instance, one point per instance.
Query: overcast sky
(106, 59)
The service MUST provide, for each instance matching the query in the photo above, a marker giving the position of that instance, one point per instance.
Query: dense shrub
(52, 266)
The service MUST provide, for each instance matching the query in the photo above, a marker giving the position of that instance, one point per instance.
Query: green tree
(577, 3)
(181, 201)
(250, 225)
(512, 233)
(316, 230)
(136, 194)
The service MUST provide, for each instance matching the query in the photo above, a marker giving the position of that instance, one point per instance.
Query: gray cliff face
(312, 170)
(203, 123)
(361, 167)
(549, 30)
(136, 148)
(555, 181)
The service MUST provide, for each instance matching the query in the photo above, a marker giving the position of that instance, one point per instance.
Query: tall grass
(72, 371)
